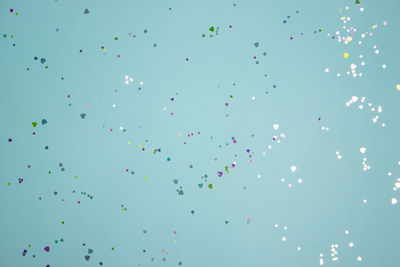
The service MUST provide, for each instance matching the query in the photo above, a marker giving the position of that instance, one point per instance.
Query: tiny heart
(47, 249)
(220, 174)
(42, 60)
(34, 124)
(83, 115)
(275, 126)
(175, 181)
(192, 211)
(44, 121)
(293, 168)
(90, 251)
(363, 150)
(200, 185)
(87, 257)
(346, 55)
(211, 29)
(256, 44)
(86, 11)
(145, 31)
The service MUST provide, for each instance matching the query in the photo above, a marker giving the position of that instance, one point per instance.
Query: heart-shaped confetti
(87, 257)
(44, 121)
(86, 11)
(256, 44)
(47, 248)
(293, 168)
(83, 115)
(34, 124)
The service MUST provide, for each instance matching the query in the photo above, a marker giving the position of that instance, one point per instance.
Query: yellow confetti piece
(179, 134)
(140, 145)
(129, 143)
(145, 178)
(346, 55)
(398, 87)
(164, 108)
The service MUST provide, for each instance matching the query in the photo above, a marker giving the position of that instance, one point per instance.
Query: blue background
(294, 94)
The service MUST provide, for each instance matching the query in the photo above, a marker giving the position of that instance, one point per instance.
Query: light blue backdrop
(233, 224)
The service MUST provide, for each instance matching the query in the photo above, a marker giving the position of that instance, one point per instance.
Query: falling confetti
(137, 133)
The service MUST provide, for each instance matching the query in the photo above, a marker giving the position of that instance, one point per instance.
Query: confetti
(296, 110)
